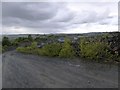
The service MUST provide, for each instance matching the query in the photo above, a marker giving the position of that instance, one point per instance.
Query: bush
(15, 43)
(6, 41)
(4, 48)
(94, 50)
(51, 49)
(67, 50)
(48, 50)
(29, 49)
(34, 45)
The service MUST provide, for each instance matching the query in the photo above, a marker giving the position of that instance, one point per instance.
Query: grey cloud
(29, 11)
(109, 20)
(36, 24)
(64, 15)
(36, 15)
(49, 17)
(90, 17)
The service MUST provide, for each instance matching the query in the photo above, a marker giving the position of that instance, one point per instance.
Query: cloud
(55, 17)
(29, 11)
(64, 15)
(93, 12)
(35, 15)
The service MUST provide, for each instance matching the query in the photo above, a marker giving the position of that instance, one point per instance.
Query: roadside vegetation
(5, 44)
(96, 48)
(67, 50)
(32, 49)
(8, 44)
(51, 50)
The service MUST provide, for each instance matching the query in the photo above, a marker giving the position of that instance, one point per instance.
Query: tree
(6, 41)
(30, 38)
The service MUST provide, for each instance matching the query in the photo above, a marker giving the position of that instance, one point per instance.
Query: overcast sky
(59, 17)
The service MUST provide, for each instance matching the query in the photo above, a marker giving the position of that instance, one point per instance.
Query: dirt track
(29, 71)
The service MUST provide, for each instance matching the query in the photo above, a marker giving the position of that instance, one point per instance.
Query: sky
(59, 17)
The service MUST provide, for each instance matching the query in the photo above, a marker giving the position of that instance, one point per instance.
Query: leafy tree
(6, 41)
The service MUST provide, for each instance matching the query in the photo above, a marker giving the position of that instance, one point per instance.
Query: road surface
(29, 71)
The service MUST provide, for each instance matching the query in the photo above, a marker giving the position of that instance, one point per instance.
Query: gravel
(30, 71)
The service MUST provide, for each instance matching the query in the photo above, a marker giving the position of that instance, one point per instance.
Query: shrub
(34, 45)
(6, 41)
(15, 43)
(94, 50)
(48, 50)
(29, 49)
(67, 50)
(4, 48)
(51, 49)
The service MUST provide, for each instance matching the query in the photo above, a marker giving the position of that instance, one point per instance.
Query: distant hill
(70, 35)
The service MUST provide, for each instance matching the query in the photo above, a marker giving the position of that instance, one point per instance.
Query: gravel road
(29, 71)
